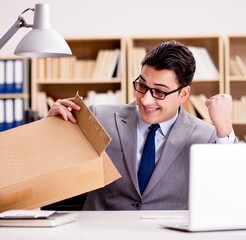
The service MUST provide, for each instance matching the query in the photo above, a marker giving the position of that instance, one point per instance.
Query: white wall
(79, 18)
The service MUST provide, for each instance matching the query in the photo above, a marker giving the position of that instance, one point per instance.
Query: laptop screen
(217, 195)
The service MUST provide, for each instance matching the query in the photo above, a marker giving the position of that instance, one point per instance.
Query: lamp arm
(20, 22)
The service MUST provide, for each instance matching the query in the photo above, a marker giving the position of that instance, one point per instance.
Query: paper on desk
(23, 214)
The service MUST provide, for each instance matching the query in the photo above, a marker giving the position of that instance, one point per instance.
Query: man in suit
(161, 88)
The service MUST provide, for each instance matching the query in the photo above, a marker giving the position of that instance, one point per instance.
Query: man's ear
(184, 94)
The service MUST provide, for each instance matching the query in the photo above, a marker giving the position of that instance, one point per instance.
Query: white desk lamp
(41, 41)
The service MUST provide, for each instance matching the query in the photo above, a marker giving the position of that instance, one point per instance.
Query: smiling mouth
(149, 110)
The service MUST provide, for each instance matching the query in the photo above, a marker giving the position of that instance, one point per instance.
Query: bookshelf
(97, 67)
(14, 91)
(235, 80)
(209, 80)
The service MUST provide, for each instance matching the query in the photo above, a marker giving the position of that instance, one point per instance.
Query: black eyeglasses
(155, 93)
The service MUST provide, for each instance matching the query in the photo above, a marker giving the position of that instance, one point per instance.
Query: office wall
(79, 18)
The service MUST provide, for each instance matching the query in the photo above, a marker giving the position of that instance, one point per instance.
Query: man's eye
(142, 85)
(158, 91)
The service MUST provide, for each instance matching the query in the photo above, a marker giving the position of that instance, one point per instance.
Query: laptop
(217, 188)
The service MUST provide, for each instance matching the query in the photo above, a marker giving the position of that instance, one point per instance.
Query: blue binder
(2, 76)
(9, 76)
(18, 75)
(2, 115)
(9, 114)
(18, 112)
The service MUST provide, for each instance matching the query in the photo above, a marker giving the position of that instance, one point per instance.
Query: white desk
(118, 225)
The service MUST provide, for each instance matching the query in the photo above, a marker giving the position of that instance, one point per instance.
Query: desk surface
(118, 225)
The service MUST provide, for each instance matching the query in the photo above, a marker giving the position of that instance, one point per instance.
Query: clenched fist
(219, 108)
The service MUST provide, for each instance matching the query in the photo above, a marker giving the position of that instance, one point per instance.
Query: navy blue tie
(147, 163)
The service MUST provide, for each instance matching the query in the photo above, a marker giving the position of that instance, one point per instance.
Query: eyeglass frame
(151, 89)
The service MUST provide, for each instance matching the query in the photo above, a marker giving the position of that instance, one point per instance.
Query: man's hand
(219, 108)
(63, 107)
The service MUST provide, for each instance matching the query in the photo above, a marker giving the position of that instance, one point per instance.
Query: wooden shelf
(83, 49)
(78, 81)
(14, 95)
(235, 84)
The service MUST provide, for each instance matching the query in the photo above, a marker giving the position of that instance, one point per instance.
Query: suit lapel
(174, 144)
(127, 127)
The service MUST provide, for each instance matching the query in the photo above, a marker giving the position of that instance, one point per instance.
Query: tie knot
(154, 127)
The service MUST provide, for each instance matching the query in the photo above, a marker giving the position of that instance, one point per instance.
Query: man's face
(153, 110)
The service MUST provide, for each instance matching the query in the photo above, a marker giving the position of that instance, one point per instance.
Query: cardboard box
(51, 160)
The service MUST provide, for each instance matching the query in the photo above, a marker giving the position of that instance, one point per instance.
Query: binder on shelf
(18, 112)
(2, 118)
(9, 114)
(18, 75)
(2, 76)
(9, 76)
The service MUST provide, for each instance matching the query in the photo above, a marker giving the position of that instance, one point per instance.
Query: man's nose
(147, 98)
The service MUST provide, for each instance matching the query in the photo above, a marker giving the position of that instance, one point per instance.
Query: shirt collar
(164, 126)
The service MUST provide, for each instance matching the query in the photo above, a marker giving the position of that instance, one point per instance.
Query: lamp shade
(42, 41)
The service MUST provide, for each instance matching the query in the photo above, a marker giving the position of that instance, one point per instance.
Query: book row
(103, 67)
(11, 76)
(11, 113)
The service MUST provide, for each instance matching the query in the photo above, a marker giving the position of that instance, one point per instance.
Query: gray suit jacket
(168, 186)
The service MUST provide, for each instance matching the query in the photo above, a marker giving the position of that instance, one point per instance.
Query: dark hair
(174, 56)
